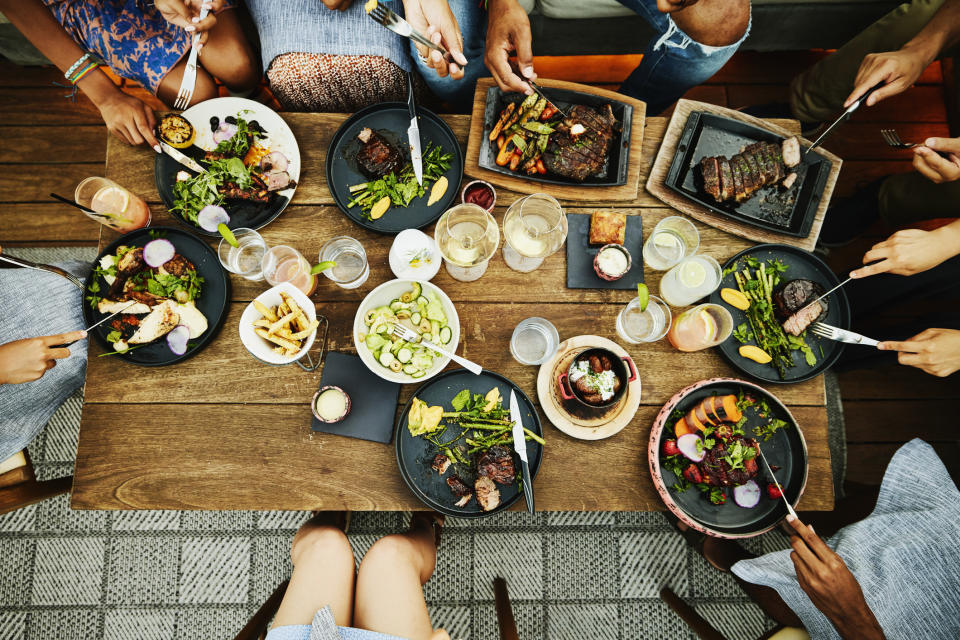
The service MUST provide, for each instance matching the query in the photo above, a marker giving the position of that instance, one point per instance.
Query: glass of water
(246, 259)
(673, 239)
(352, 268)
(651, 324)
(694, 278)
(534, 341)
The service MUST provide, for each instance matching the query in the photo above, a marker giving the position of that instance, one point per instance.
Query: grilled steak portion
(580, 156)
(377, 157)
(792, 299)
(440, 463)
(756, 166)
(497, 463)
(710, 169)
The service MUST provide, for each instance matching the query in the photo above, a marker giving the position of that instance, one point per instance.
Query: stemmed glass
(467, 236)
(534, 227)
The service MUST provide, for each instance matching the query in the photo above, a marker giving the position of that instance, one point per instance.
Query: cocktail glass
(246, 259)
(651, 324)
(113, 205)
(694, 278)
(351, 269)
(673, 239)
(285, 264)
(701, 327)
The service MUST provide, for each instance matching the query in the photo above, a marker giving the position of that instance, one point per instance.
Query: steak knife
(413, 134)
(843, 116)
(182, 158)
(782, 494)
(520, 446)
(536, 87)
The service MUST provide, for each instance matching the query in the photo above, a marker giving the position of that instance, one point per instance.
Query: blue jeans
(672, 62)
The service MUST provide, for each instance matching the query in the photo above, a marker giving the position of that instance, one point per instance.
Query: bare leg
(389, 597)
(204, 89)
(227, 54)
(323, 574)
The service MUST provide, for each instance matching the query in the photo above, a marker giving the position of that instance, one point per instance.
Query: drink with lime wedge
(694, 278)
(673, 239)
(638, 322)
(701, 327)
(112, 205)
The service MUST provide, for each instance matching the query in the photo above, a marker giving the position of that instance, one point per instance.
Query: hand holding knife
(520, 446)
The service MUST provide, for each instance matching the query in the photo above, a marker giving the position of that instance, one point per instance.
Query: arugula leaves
(402, 188)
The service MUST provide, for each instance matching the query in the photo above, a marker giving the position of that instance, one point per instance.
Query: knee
(321, 544)
(721, 23)
(392, 551)
(244, 74)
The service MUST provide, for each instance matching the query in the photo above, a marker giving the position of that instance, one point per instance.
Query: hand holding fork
(189, 81)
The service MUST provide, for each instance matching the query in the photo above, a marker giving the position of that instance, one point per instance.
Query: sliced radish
(225, 132)
(274, 161)
(158, 252)
(211, 216)
(691, 446)
(278, 180)
(747, 495)
(177, 339)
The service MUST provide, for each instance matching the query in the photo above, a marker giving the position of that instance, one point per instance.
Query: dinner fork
(189, 82)
(892, 138)
(398, 25)
(841, 335)
(410, 335)
(27, 264)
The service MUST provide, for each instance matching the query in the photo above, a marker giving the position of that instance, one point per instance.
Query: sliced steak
(459, 489)
(739, 191)
(727, 187)
(792, 305)
(791, 152)
(377, 156)
(497, 463)
(710, 170)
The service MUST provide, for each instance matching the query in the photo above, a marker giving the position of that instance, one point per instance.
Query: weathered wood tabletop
(223, 431)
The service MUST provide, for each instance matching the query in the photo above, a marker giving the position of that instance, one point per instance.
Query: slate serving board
(373, 400)
(580, 254)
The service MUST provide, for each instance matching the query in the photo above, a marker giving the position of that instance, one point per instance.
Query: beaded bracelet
(76, 65)
(90, 67)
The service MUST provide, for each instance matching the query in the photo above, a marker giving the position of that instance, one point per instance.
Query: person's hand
(831, 586)
(905, 253)
(508, 30)
(934, 166)
(669, 6)
(898, 70)
(186, 14)
(435, 20)
(28, 359)
(934, 351)
(440, 634)
(129, 119)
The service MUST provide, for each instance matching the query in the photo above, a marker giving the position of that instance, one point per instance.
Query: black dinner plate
(415, 455)
(391, 120)
(802, 264)
(614, 172)
(213, 301)
(785, 451)
(788, 211)
(243, 214)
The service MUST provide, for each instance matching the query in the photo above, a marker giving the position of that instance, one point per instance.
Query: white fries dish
(271, 339)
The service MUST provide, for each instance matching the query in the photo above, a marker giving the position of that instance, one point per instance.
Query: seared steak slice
(792, 305)
(488, 496)
(755, 173)
(497, 463)
(739, 191)
(460, 489)
(377, 157)
(746, 174)
(727, 186)
(710, 170)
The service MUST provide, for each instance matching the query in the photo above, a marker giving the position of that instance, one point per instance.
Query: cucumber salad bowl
(419, 306)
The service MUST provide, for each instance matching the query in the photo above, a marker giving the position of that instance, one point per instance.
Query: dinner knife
(95, 325)
(413, 133)
(782, 494)
(182, 158)
(536, 87)
(520, 446)
(843, 116)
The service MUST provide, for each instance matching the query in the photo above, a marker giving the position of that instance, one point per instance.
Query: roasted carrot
(502, 140)
(541, 169)
(504, 116)
(682, 428)
(515, 159)
(504, 155)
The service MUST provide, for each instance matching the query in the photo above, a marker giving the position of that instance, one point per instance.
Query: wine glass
(534, 227)
(467, 236)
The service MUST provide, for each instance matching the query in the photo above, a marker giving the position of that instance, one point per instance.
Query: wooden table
(223, 431)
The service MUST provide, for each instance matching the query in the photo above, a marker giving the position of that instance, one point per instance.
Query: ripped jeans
(672, 62)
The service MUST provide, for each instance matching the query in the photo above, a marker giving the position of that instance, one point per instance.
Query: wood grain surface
(786, 128)
(518, 184)
(223, 431)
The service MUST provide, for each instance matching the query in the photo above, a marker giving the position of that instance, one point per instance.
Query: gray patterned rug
(182, 574)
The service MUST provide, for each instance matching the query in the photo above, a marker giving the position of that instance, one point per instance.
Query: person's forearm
(36, 22)
(949, 237)
(941, 32)
(859, 624)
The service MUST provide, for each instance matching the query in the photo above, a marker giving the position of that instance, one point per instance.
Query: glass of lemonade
(467, 236)
(534, 227)
(113, 205)
(673, 239)
(692, 279)
(285, 264)
(534, 341)
(701, 327)
(352, 268)
(246, 259)
(651, 324)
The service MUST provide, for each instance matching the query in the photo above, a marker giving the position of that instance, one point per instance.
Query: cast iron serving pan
(415, 455)
(788, 211)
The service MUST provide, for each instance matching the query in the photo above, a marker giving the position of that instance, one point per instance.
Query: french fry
(285, 320)
(300, 335)
(265, 311)
(283, 342)
(299, 319)
(261, 322)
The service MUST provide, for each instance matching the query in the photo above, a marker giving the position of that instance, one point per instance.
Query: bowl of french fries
(280, 325)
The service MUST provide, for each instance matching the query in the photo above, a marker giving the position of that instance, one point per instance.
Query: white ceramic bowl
(384, 295)
(262, 349)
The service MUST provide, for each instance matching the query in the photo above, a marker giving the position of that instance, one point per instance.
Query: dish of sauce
(612, 262)
(480, 194)
(331, 404)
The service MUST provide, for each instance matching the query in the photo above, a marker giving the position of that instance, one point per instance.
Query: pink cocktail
(113, 205)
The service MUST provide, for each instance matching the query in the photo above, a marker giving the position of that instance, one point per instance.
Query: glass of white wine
(534, 227)
(467, 236)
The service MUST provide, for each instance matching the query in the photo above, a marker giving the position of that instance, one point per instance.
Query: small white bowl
(262, 349)
(384, 295)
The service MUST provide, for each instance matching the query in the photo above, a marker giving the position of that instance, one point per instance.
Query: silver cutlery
(892, 138)
(536, 87)
(413, 133)
(27, 264)
(96, 324)
(828, 292)
(843, 116)
(189, 81)
(182, 158)
(401, 27)
(777, 483)
(520, 446)
(841, 335)
(410, 335)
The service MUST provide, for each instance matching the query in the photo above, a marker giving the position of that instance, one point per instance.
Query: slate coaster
(373, 400)
(580, 254)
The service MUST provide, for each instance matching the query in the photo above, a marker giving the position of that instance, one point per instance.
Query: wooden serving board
(549, 396)
(786, 128)
(572, 191)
